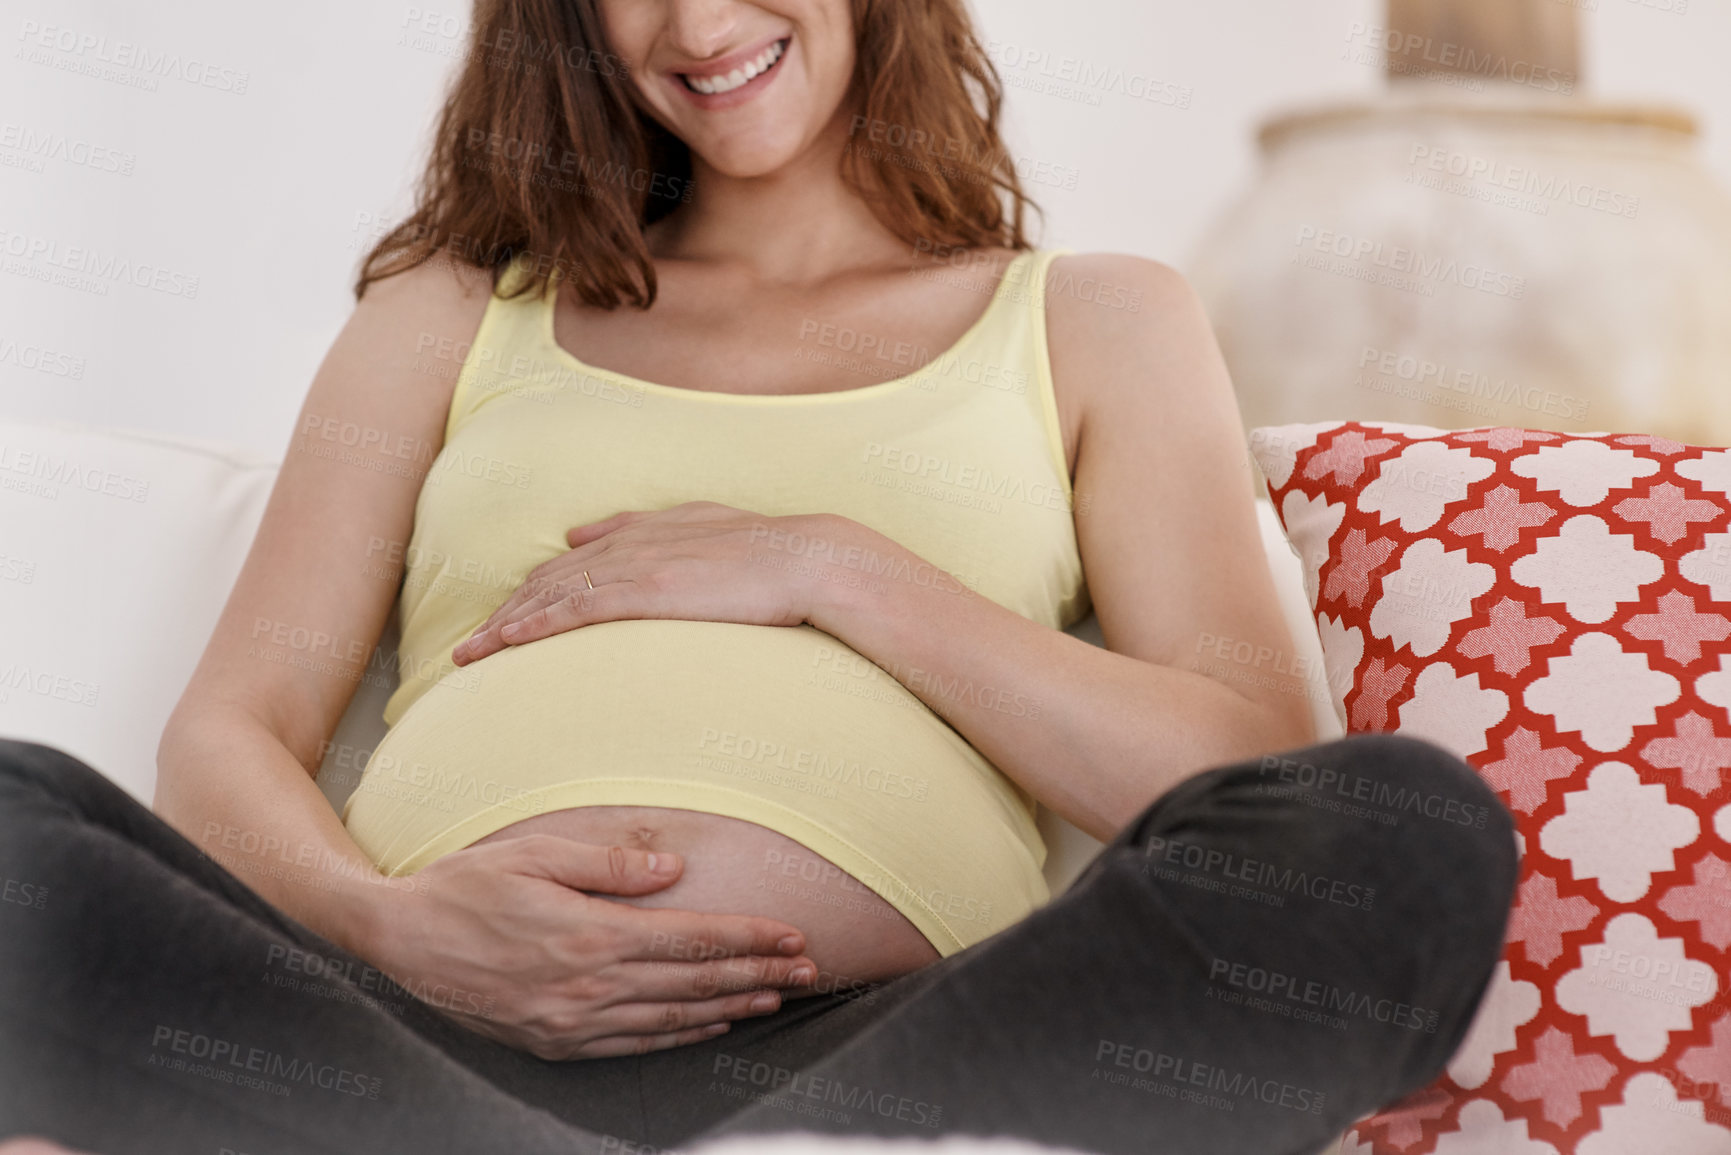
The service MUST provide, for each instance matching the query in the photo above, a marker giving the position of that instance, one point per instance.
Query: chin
(742, 159)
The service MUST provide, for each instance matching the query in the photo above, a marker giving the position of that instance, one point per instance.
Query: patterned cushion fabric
(1556, 609)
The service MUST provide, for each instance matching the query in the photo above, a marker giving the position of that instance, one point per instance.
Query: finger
(666, 981)
(528, 597)
(617, 1045)
(599, 869)
(533, 585)
(690, 936)
(672, 1018)
(581, 534)
(604, 603)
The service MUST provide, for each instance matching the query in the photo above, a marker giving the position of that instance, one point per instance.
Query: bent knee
(33, 771)
(1393, 811)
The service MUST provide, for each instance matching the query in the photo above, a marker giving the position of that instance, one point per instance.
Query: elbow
(174, 751)
(1287, 725)
(1296, 727)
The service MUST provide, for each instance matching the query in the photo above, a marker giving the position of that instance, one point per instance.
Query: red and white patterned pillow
(1556, 609)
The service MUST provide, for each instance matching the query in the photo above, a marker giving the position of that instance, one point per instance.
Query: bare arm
(1167, 530)
(562, 973)
(237, 761)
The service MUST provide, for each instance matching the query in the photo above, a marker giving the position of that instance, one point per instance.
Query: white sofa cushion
(117, 551)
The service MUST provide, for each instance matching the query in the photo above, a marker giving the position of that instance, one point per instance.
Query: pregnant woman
(733, 464)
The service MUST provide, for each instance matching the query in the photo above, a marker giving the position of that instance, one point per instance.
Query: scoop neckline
(549, 312)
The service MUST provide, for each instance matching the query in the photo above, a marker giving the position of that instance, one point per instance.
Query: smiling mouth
(719, 83)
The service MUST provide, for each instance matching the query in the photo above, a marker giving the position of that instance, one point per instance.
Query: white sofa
(117, 552)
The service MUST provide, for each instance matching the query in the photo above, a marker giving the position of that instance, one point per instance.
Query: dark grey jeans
(1268, 952)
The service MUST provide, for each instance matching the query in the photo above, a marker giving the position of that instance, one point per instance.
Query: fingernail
(790, 945)
(765, 1002)
(803, 975)
(511, 630)
(715, 1028)
(663, 864)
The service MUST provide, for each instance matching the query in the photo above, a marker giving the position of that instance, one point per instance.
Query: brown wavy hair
(541, 111)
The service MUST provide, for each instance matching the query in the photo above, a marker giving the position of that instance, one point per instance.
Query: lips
(737, 74)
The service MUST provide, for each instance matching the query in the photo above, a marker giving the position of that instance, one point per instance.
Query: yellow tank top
(960, 460)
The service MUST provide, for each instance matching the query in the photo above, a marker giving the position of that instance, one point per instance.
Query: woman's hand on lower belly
(503, 939)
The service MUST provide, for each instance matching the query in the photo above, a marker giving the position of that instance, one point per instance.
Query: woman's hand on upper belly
(506, 939)
(698, 561)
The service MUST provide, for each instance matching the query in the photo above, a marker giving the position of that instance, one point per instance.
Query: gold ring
(586, 580)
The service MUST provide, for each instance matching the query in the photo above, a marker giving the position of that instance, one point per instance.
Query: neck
(796, 225)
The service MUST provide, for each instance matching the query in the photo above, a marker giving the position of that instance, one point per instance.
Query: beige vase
(1473, 251)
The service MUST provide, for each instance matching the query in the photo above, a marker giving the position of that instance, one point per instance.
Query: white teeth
(712, 85)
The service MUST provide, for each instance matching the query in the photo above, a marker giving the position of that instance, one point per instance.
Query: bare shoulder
(1114, 298)
(1118, 323)
(441, 290)
(396, 359)
(1103, 288)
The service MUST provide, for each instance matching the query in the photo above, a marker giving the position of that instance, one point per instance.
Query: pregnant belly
(737, 867)
(798, 780)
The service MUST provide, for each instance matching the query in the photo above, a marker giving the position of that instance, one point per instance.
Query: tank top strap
(1012, 346)
(1038, 275)
(511, 353)
(1043, 364)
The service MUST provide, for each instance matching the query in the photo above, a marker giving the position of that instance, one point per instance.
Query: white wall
(257, 193)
